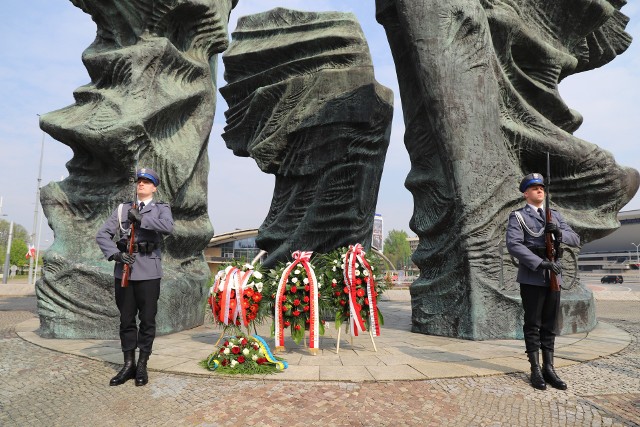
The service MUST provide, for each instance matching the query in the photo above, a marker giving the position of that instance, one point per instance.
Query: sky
(41, 43)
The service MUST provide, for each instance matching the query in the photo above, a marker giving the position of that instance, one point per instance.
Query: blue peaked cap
(149, 174)
(529, 180)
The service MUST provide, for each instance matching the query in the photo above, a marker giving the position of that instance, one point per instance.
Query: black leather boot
(537, 380)
(128, 371)
(548, 373)
(141, 372)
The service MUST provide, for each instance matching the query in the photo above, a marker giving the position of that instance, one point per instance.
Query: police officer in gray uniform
(526, 242)
(140, 297)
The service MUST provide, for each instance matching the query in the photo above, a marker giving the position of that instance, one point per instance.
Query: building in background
(413, 243)
(234, 245)
(377, 240)
(617, 252)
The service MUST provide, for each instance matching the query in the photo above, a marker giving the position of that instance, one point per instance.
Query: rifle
(549, 244)
(126, 270)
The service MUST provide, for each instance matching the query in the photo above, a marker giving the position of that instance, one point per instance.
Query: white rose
(294, 280)
(259, 286)
(254, 357)
(245, 351)
(334, 281)
(210, 290)
(335, 261)
(296, 272)
(333, 268)
(234, 363)
(305, 281)
(366, 272)
(357, 272)
(372, 268)
(221, 287)
(226, 351)
(257, 275)
(248, 267)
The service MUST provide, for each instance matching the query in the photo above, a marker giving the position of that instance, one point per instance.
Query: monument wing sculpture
(304, 103)
(152, 96)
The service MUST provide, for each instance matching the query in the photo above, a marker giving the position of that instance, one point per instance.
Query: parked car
(612, 279)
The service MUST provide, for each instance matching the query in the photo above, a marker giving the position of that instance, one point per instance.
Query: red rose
(224, 362)
(222, 349)
(366, 279)
(294, 289)
(296, 313)
(306, 288)
(358, 282)
(338, 294)
(235, 349)
(255, 347)
(307, 321)
(360, 292)
(287, 323)
(251, 317)
(245, 304)
(306, 308)
(296, 302)
(260, 360)
(334, 284)
(248, 292)
(297, 327)
(240, 359)
(306, 298)
(244, 341)
(346, 290)
(226, 343)
(342, 302)
(257, 297)
(284, 307)
(254, 308)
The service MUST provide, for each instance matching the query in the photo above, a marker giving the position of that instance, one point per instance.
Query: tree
(18, 243)
(397, 248)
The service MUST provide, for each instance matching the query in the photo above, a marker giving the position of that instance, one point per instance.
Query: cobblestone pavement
(43, 387)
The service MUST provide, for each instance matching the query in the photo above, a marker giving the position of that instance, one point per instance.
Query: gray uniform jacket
(156, 220)
(521, 239)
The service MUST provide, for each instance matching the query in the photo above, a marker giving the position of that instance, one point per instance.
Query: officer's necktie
(142, 206)
(540, 211)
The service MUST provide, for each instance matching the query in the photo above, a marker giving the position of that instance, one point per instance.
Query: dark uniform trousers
(141, 297)
(541, 307)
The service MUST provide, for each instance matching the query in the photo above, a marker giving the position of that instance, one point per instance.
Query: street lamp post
(7, 260)
(36, 212)
(637, 257)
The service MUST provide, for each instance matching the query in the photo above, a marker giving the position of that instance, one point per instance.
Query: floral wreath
(354, 289)
(235, 296)
(242, 354)
(295, 295)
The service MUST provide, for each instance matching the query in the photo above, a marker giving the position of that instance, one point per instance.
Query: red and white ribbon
(356, 254)
(302, 258)
(234, 280)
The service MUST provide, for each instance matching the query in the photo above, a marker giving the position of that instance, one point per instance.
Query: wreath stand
(351, 339)
(226, 328)
(312, 351)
